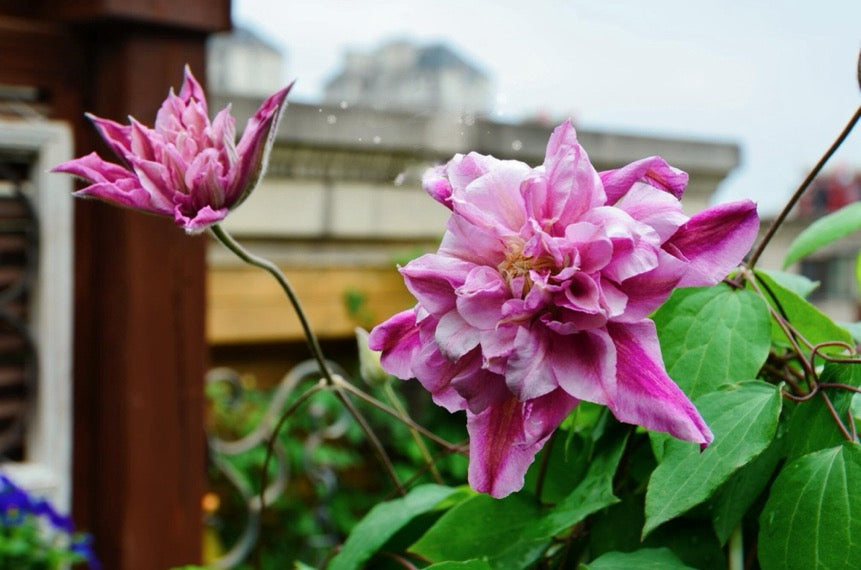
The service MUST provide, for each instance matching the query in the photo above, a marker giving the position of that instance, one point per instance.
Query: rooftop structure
(403, 76)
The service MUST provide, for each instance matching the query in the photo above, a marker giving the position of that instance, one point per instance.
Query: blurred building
(240, 62)
(833, 267)
(403, 76)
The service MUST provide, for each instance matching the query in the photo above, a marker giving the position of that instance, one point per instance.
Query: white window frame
(47, 466)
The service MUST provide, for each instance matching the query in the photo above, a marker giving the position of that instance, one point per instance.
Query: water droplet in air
(377, 139)
(344, 104)
(399, 179)
(331, 119)
(516, 145)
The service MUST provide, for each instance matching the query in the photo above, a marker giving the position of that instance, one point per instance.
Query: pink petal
(653, 207)
(435, 182)
(479, 387)
(454, 336)
(256, 144)
(117, 136)
(435, 373)
(569, 184)
(93, 168)
(594, 248)
(581, 363)
(645, 395)
(155, 178)
(462, 170)
(202, 219)
(433, 278)
(191, 89)
(466, 241)
(530, 372)
(493, 201)
(504, 438)
(480, 298)
(714, 241)
(398, 339)
(646, 292)
(653, 170)
(114, 184)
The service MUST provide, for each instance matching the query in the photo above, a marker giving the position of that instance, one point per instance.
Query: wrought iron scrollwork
(220, 449)
(19, 249)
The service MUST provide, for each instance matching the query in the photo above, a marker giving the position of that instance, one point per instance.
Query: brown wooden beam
(140, 337)
(201, 15)
(140, 353)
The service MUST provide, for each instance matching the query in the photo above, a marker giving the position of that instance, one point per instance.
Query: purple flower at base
(20, 509)
(539, 294)
(185, 167)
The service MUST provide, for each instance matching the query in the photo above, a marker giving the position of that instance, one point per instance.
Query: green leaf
(617, 528)
(384, 520)
(515, 531)
(484, 527)
(712, 336)
(858, 272)
(734, 498)
(744, 420)
(593, 493)
(811, 426)
(812, 323)
(644, 559)
(795, 282)
(824, 231)
(811, 517)
(465, 565)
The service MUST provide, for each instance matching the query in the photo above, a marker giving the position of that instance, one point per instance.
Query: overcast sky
(776, 77)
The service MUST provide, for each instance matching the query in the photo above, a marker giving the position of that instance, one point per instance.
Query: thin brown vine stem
(400, 560)
(836, 416)
(775, 225)
(236, 248)
(785, 326)
(372, 437)
(464, 445)
(406, 420)
(840, 386)
(796, 334)
(828, 343)
(416, 436)
(809, 396)
(851, 421)
(817, 351)
(784, 375)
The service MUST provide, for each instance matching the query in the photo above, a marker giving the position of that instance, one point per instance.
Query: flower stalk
(796, 196)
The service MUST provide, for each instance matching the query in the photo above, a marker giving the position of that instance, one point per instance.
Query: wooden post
(140, 352)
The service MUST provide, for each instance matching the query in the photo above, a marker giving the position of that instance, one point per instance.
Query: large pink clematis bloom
(185, 167)
(539, 295)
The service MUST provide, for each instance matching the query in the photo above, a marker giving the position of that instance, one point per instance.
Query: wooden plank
(246, 305)
(140, 353)
(202, 15)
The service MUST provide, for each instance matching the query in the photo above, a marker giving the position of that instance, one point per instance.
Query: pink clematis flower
(185, 167)
(539, 295)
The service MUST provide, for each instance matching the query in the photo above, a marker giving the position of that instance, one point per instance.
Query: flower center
(516, 267)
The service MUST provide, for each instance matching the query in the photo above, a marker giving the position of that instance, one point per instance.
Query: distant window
(36, 308)
(835, 274)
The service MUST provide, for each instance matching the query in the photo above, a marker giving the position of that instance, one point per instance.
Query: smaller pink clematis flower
(185, 167)
(539, 294)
